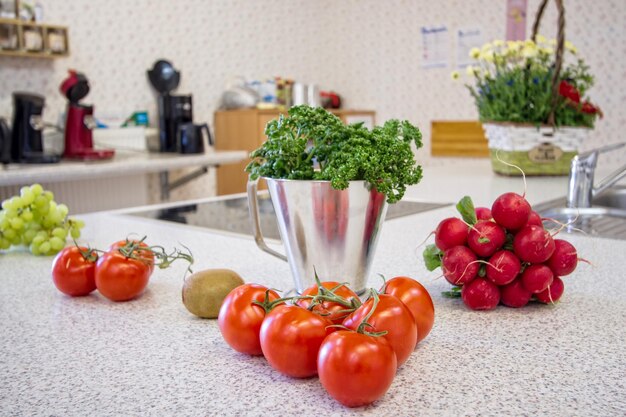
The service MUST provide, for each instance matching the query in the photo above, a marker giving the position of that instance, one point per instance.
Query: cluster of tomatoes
(354, 347)
(120, 273)
(502, 254)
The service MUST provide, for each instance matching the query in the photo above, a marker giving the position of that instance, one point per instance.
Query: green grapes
(35, 220)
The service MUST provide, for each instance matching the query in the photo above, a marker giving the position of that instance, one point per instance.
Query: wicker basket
(536, 150)
(545, 150)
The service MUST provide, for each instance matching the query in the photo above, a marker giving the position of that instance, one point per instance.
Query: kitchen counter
(88, 356)
(124, 163)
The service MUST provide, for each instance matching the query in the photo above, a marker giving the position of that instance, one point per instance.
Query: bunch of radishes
(500, 255)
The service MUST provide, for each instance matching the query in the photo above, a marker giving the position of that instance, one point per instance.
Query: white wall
(367, 50)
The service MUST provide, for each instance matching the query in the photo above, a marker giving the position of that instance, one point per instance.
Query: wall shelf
(23, 38)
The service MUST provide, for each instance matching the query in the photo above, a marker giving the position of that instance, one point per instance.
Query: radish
(533, 244)
(483, 213)
(511, 211)
(451, 232)
(537, 278)
(480, 294)
(485, 238)
(564, 259)
(534, 219)
(503, 267)
(459, 265)
(552, 293)
(514, 294)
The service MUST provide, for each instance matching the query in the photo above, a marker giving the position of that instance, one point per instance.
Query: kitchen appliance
(5, 142)
(26, 141)
(173, 110)
(191, 139)
(79, 121)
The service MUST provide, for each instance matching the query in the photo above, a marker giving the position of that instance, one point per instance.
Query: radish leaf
(432, 257)
(466, 208)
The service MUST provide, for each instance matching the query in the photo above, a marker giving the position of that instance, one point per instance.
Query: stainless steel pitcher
(333, 231)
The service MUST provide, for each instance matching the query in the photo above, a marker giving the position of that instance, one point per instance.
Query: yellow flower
(498, 43)
(455, 75)
(486, 47)
(570, 47)
(541, 39)
(552, 42)
(486, 56)
(529, 43)
(529, 52)
(474, 53)
(471, 71)
(546, 51)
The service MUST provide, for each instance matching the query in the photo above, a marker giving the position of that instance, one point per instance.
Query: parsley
(313, 144)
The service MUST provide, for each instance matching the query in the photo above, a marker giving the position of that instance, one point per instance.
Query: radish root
(516, 167)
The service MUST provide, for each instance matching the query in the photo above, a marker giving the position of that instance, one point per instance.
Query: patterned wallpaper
(367, 50)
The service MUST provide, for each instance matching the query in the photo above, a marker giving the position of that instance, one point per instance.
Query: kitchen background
(368, 51)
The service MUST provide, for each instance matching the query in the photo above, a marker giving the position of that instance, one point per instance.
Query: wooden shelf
(20, 30)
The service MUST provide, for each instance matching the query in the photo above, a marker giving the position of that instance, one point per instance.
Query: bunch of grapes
(34, 219)
(502, 255)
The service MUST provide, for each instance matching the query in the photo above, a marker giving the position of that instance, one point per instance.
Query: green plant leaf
(432, 257)
(466, 208)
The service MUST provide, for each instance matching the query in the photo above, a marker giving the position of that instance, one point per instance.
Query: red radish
(537, 278)
(564, 259)
(483, 213)
(552, 293)
(511, 211)
(485, 238)
(503, 267)
(459, 265)
(534, 219)
(514, 294)
(451, 232)
(533, 244)
(480, 294)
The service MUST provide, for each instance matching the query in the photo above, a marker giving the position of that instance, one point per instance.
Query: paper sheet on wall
(435, 47)
(467, 38)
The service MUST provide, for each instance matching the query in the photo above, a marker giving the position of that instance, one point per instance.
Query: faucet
(581, 191)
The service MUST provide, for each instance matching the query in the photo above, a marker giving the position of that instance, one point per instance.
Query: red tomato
(290, 339)
(119, 278)
(417, 299)
(73, 273)
(393, 316)
(240, 320)
(356, 369)
(142, 252)
(330, 309)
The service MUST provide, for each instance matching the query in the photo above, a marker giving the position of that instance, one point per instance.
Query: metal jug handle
(253, 204)
(205, 127)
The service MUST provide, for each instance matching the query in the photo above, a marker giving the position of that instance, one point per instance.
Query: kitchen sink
(606, 218)
(230, 214)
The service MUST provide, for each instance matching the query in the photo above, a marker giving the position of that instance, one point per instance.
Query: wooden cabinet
(243, 130)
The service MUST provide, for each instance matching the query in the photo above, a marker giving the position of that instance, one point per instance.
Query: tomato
(417, 299)
(119, 278)
(142, 252)
(291, 337)
(73, 272)
(393, 316)
(330, 309)
(240, 320)
(356, 369)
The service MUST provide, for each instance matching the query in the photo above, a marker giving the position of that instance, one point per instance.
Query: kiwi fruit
(204, 291)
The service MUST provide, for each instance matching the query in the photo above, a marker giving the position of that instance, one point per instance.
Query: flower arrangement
(514, 83)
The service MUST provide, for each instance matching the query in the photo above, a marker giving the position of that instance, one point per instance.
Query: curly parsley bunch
(313, 144)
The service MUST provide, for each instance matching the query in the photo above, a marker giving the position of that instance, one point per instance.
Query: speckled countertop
(62, 356)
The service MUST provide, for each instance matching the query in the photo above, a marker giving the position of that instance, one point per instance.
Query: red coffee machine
(80, 122)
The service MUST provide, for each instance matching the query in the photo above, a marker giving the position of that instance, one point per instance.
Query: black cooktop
(231, 214)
